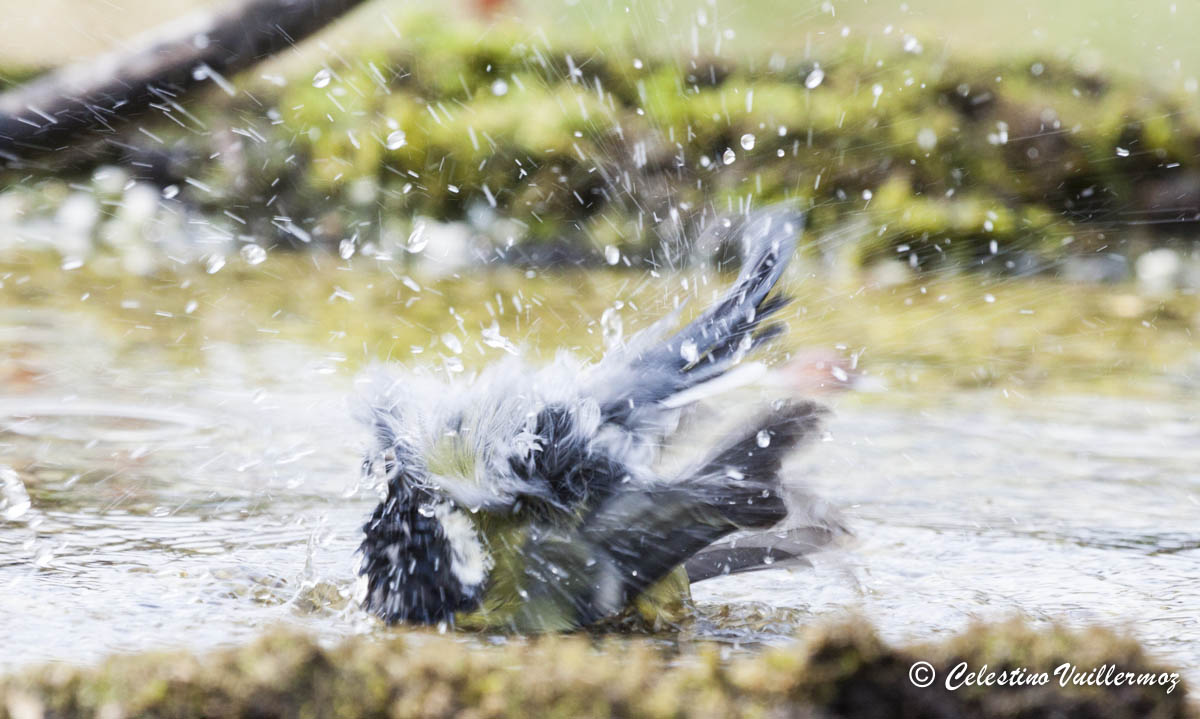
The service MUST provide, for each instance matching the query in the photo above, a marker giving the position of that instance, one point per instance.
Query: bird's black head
(417, 550)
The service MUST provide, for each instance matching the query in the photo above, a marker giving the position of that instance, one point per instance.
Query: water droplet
(1122, 152)
(322, 78)
(612, 327)
(637, 63)
(346, 249)
(426, 510)
(763, 438)
(729, 156)
(492, 338)
(14, 499)
(214, 264)
(688, 351)
(499, 88)
(927, 139)
(989, 298)
(612, 255)
(396, 139)
(452, 343)
(253, 254)
(1000, 136)
(911, 44)
(748, 141)
(815, 78)
(170, 192)
(417, 239)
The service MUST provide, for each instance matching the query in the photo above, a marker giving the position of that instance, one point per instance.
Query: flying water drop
(492, 338)
(612, 255)
(729, 156)
(14, 499)
(452, 343)
(322, 78)
(612, 327)
(417, 239)
(763, 438)
(214, 264)
(814, 78)
(396, 139)
(253, 254)
(748, 141)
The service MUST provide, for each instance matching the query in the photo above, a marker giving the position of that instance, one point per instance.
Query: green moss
(843, 671)
(929, 334)
(593, 148)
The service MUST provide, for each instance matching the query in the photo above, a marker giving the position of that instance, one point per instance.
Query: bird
(531, 500)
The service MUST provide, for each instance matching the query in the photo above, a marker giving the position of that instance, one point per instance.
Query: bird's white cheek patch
(469, 561)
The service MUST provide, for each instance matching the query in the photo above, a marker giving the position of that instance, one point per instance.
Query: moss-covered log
(837, 672)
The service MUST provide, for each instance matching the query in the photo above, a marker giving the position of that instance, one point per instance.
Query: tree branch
(95, 96)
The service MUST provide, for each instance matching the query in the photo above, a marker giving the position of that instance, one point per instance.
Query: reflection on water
(193, 505)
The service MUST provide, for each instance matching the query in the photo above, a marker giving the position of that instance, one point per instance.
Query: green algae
(836, 671)
(930, 333)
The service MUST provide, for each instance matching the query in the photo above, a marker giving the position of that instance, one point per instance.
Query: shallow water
(190, 502)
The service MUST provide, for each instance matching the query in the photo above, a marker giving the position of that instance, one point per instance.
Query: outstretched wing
(636, 384)
(642, 533)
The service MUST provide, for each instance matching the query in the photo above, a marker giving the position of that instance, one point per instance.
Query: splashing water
(14, 499)
(396, 139)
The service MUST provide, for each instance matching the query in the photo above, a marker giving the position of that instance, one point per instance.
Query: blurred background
(996, 292)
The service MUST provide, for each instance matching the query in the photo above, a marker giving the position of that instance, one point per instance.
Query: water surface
(191, 477)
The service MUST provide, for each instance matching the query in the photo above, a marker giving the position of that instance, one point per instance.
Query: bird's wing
(772, 549)
(635, 386)
(641, 533)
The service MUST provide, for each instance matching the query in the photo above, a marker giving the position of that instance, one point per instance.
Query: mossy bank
(557, 152)
(834, 672)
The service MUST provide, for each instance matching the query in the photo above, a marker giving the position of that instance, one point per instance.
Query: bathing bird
(533, 499)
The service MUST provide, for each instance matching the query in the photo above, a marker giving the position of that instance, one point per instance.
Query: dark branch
(93, 97)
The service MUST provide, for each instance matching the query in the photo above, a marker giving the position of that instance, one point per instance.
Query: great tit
(529, 499)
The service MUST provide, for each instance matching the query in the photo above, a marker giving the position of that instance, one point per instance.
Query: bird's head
(423, 559)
